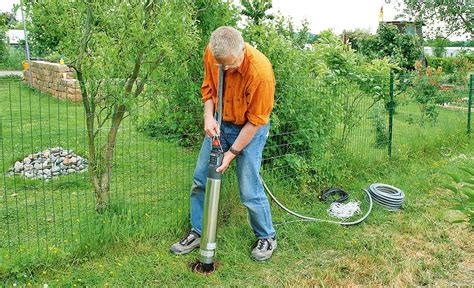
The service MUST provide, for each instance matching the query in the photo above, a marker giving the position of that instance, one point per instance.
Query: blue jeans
(251, 190)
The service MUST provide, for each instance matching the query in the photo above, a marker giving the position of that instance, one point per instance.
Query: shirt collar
(245, 63)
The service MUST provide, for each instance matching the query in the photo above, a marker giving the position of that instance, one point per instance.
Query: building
(14, 37)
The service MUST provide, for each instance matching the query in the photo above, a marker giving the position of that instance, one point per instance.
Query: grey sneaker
(264, 248)
(187, 244)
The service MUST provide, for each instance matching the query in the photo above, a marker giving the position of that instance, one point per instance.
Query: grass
(50, 233)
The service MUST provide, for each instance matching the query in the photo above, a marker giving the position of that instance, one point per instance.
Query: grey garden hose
(389, 197)
(306, 218)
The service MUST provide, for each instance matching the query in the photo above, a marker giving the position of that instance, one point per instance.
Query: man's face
(231, 63)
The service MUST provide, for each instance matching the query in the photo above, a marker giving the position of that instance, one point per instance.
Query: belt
(229, 123)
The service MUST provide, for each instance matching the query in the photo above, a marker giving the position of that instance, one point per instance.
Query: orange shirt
(248, 91)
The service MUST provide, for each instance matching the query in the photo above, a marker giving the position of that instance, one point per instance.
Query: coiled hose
(307, 218)
(389, 197)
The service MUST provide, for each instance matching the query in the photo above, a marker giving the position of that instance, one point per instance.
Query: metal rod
(469, 105)
(391, 107)
(27, 48)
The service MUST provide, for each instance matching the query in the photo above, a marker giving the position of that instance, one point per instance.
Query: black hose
(328, 192)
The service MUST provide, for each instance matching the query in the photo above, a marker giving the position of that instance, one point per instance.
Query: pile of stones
(52, 162)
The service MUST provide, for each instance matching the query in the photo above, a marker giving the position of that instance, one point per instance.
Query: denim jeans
(251, 190)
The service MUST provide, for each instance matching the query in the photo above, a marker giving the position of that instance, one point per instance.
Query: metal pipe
(27, 47)
(213, 188)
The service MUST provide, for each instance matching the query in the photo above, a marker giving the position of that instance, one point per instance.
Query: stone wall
(55, 79)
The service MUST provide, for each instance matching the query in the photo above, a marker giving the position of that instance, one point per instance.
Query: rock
(67, 161)
(48, 163)
(56, 149)
(18, 166)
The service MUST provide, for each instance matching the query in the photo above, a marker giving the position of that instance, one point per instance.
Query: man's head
(227, 46)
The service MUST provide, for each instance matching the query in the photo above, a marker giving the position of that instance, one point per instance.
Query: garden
(94, 192)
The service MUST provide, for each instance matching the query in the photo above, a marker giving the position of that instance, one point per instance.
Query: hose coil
(389, 197)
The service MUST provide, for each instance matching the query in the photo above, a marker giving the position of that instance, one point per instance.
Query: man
(248, 100)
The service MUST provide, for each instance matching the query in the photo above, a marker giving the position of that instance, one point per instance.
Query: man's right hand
(210, 126)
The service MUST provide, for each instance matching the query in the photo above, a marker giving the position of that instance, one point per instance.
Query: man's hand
(210, 126)
(228, 157)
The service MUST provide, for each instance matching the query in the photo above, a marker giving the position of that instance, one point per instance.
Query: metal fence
(51, 215)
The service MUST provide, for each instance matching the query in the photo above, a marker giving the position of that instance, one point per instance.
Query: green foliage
(402, 49)
(256, 10)
(181, 114)
(456, 16)
(439, 46)
(44, 32)
(13, 59)
(463, 188)
(426, 92)
(3, 41)
(449, 43)
(379, 117)
(457, 67)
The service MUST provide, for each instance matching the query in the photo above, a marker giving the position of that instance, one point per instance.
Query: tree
(256, 10)
(116, 47)
(182, 114)
(401, 49)
(439, 46)
(457, 16)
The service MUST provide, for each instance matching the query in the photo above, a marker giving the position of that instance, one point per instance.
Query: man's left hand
(228, 157)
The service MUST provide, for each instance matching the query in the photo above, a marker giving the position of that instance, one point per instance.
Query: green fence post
(469, 105)
(391, 107)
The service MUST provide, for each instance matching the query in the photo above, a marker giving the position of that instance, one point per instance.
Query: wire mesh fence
(319, 129)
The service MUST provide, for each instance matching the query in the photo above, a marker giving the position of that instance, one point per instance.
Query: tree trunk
(102, 171)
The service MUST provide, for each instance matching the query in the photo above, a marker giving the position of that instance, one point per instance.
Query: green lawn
(49, 232)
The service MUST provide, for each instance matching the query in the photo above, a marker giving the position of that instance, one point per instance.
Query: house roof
(15, 36)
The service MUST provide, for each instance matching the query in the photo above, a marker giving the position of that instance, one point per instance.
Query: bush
(14, 58)
(457, 67)
(180, 114)
(401, 49)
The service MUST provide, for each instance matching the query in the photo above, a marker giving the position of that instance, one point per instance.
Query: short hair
(226, 41)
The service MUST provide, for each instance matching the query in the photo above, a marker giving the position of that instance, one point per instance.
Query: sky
(321, 14)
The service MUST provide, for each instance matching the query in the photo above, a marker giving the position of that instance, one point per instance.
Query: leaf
(450, 187)
(468, 180)
(455, 177)
(459, 221)
(468, 170)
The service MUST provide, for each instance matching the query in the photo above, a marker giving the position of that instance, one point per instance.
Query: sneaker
(187, 244)
(263, 248)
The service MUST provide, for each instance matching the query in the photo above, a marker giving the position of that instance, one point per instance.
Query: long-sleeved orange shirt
(248, 91)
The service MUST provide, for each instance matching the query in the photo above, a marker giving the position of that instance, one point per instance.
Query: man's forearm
(245, 136)
(209, 108)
